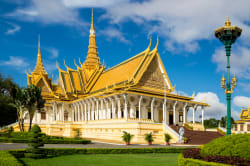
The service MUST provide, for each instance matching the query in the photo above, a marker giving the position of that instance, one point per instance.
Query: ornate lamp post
(227, 34)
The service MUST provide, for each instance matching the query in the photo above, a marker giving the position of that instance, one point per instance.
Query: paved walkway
(9, 146)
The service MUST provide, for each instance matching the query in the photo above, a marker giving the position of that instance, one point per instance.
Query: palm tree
(34, 101)
(127, 137)
(149, 138)
(19, 100)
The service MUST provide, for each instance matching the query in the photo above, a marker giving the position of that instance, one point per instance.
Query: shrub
(167, 138)
(191, 162)
(127, 137)
(149, 137)
(35, 143)
(8, 159)
(233, 145)
(78, 134)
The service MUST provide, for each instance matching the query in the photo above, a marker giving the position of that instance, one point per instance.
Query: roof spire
(156, 46)
(227, 23)
(39, 63)
(92, 60)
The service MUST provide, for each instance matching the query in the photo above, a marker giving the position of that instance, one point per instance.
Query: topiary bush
(127, 137)
(233, 145)
(149, 138)
(35, 142)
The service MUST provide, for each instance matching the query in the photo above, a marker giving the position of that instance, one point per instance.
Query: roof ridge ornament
(149, 46)
(227, 23)
(156, 46)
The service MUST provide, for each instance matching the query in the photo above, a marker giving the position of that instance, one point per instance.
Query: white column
(194, 109)
(202, 115)
(97, 109)
(63, 112)
(164, 111)
(72, 112)
(76, 117)
(92, 110)
(125, 106)
(82, 115)
(119, 107)
(139, 105)
(184, 113)
(102, 109)
(78, 111)
(113, 109)
(174, 112)
(85, 111)
(88, 109)
(152, 109)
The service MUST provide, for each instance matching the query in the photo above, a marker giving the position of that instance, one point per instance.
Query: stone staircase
(197, 137)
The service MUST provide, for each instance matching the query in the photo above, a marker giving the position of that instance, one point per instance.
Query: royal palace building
(134, 96)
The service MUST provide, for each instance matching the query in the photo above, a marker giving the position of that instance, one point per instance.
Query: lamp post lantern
(228, 34)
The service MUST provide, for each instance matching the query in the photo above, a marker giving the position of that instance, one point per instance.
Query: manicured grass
(153, 159)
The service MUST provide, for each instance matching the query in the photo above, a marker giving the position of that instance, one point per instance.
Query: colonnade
(125, 106)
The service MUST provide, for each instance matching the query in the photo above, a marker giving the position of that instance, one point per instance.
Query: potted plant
(149, 138)
(167, 138)
(127, 137)
(185, 140)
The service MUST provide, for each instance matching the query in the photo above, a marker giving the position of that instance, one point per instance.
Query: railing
(196, 126)
(4, 127)
(171, 132)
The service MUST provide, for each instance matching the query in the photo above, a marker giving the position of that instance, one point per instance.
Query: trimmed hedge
(8, 159)
(69, 151)
(232, 145)
(191, 162)
(51, 140)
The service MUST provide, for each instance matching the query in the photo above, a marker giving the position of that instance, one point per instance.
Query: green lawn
(153, 159)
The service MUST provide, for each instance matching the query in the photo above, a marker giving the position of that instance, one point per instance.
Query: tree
(127, 137)
(19, 100)
(7, 110)
(223, 121)
(211, 123)
(34, 101)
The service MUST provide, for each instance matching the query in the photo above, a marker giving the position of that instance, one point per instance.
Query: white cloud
(92, 3)
(216, 110)
(54, 53)
(15, 61)
(11, 31)
(246, 86)
(239, 61)
(48, 12)
(183, 23)
(112, 33)
(242, 101)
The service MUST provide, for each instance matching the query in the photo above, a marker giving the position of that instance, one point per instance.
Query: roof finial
(92, 28)
(156, 46)
(149, 43)
(227, 23)
(39, 49)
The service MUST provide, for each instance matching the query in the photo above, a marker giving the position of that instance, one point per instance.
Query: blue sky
(194, 59)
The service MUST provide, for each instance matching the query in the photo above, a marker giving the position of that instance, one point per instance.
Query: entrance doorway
(171, 118)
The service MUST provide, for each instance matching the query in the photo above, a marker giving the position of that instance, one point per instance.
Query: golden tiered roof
(142, 74)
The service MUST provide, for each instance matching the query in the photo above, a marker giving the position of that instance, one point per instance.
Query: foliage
(8, 159)
(23, 137)
(232, 145)
(19, 100)
(77, 134)
(223, 121)
(127, 137)
(7, 110)
(149, 137)
(185, 139)
(232, 160)
(190, 162)
(35, 143)
(167, 137)
(34, 101)
(211, 123)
